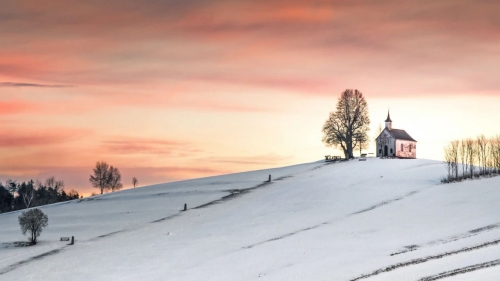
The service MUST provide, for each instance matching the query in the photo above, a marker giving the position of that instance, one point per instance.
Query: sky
(171, 90)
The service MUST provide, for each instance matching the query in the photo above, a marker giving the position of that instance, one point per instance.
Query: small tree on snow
(33, 221)
(115, 178)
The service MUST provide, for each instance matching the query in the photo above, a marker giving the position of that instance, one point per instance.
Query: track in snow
(462, 270)
(383, 203)
(450, 239)
(26, 261)
(426, 259)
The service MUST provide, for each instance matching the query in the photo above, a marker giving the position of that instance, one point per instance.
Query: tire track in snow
(462, 270)
(449, 239)
(426, 259)
(28, 260)
(166, 218)
(285, 235)
(383, 203)
(234, 193)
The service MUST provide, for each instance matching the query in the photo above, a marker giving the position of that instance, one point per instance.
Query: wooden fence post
(72, 240)
(269, 178)
(185, 207)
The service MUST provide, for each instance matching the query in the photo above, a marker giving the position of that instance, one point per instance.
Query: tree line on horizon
(470, 158)
(17, 196)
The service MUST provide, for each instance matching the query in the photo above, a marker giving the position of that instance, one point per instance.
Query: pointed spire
(388, 117)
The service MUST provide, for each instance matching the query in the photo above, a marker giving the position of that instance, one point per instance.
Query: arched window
(402, 147)
(410, 147)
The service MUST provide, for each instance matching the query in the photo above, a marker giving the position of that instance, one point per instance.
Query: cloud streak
(13, 84)
(124, 146)
(13, 138)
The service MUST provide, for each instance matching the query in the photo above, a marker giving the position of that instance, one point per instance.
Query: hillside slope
(373, 220)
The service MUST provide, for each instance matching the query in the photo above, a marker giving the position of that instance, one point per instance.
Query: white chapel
(395, 142)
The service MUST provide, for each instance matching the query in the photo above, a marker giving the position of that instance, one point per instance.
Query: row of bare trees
(107, 178)
(469, 158)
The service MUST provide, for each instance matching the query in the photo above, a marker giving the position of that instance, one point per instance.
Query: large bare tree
(348, 125)
(100, 178)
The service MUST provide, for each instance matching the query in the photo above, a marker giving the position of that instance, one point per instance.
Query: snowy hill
(373, 220)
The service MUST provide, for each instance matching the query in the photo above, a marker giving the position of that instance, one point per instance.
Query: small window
(380, 151)
(410, 147)
(391, 150)
(402, 147)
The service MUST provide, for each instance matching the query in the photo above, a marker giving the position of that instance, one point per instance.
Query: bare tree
(33, 221)
(448, 160)
(471, 155)
(451, 158)
(347, 127)
(463, 156)
(114, 179)
(361, 141)
(53, 183)
(100, 178)
(454, 157)
(27, 192)
(482, 153)
(495, 153)
(134, 181)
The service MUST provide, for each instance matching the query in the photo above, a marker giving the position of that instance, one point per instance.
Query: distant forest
(17, 196)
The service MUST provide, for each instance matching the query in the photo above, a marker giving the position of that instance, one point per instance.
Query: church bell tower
(388, 121)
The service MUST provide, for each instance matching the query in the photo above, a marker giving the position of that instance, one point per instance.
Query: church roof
(388, 117)
(400, 135)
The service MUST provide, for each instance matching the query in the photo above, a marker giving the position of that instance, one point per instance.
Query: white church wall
(385, 139)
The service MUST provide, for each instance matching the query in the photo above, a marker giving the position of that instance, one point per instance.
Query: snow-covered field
(373, 220)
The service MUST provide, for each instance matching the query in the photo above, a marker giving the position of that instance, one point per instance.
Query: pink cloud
(147, 146)
(10, 138)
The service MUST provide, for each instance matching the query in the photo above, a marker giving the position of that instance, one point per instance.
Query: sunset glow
(171, 90)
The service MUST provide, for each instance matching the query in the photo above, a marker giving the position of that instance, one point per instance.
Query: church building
(395, 143)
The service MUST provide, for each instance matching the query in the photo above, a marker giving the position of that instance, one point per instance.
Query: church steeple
(388, 121)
